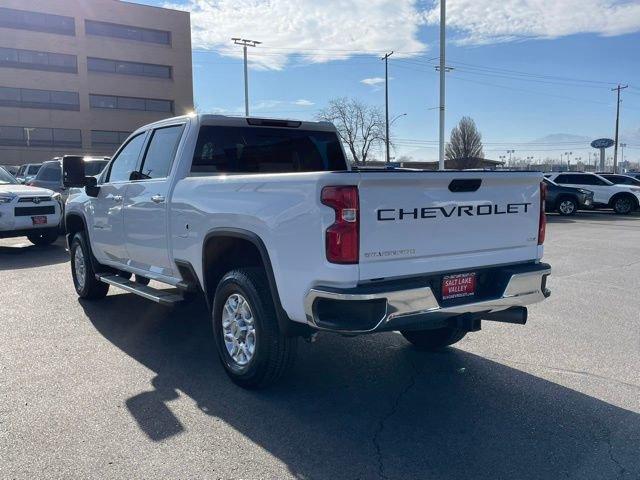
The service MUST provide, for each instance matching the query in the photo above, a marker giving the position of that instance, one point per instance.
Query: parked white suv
(624, 199)
(29, 212)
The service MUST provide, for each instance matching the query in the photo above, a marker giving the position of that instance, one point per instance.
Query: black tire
(91, 288)
(43, 237)
(567, 206)
(142, 280)
(273, 353)
(433, 340)
(624, 204)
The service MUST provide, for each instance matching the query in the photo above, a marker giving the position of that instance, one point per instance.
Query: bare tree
(359, 126)
(465, 147)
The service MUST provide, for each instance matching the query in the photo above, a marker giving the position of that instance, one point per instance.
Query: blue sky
(521, 73)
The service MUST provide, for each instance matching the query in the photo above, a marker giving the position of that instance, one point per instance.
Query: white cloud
(373, 81)
(303, 102)
(490, 21)
(319, 31)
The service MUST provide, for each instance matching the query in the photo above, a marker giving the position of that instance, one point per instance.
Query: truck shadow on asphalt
(373, 407)
(26, 255)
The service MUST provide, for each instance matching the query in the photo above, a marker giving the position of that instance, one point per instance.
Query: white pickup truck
(284, 238)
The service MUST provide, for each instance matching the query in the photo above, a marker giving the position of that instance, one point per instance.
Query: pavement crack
(390, 413)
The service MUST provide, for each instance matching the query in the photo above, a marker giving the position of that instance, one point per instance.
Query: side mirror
(73, 171)
(91, 186)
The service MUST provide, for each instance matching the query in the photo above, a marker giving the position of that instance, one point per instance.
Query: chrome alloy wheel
(567, 207)
(238, 329)
(80, 267)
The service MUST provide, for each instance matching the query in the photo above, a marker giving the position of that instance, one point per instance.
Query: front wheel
(433, 340)
(253, 351)
(43, 237)
(567, 207)
(623, 205)
(84, 278)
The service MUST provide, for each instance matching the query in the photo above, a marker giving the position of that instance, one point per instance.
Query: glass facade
(128, 68)
(40, 137)
(37, 22)
(130, 103)
(127, 32)
(45, 99)
(36, 60)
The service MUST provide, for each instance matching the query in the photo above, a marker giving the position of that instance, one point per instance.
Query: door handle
(117, 198)
(157, 199)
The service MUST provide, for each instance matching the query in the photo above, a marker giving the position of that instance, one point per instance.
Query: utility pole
(615, 147)
(442, 73)
(245, 43)
(510, 152)
(386, 101)
(622, 145)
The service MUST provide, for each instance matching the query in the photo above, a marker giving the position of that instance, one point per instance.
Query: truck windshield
(266, 150)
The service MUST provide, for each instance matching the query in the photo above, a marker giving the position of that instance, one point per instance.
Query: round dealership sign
(602, 143)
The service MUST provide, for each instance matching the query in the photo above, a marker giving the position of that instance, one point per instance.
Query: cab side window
(127, 160)
(160, 152)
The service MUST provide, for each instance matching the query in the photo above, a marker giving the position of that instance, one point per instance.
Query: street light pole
(442, 74)
(386, 101)
(396, 118)
(245, 43)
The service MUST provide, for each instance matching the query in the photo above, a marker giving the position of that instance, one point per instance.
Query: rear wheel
(624, 204)
(433, 340)
(44, 236)
(253, 351)
(84, 277)
(567, 206)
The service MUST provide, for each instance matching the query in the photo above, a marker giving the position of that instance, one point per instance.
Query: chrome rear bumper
(402, 306)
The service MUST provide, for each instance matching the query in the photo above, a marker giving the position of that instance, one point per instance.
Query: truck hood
(25, 190)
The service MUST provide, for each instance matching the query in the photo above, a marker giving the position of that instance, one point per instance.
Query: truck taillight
(542, 225)
(342, 237)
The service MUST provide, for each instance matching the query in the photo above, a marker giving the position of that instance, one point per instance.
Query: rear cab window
(252, 149)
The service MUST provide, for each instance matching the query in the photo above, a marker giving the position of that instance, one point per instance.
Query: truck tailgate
(426, 222)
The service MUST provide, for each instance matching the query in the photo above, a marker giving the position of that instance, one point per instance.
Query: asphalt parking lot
(123, 388)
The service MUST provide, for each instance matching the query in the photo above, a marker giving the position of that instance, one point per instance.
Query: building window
(40, 137)
(36, 21)
(127, 32)
(130, 103)
(108, 138)
(34, 60)
(128, 68)
(46, 99)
